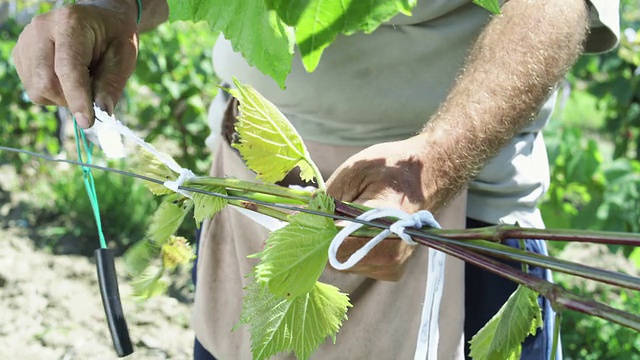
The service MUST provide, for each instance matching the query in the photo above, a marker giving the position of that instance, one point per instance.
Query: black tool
(111, 301)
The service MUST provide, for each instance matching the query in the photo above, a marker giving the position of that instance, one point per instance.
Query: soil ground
(50, 305)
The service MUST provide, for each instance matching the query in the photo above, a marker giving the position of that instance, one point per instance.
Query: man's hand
(396, 175)
(77, 54)
(84, 53)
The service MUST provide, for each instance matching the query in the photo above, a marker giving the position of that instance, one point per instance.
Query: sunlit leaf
(318, 22)
(295, 256)
(269, 144)
(260, 36)
(501, 338)
(299, 325)
(320, 202)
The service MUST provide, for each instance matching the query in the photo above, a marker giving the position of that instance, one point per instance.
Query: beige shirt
(385, 86)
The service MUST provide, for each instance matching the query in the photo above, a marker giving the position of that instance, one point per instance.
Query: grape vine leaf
(151, 166)
(205, 206)
(139, 256)
(295, 256)
(269, 144)
(501, 338)
(149, 284)
(300, 324)
(491, 5)
(258, 34)
(317, 23)
(166, 220)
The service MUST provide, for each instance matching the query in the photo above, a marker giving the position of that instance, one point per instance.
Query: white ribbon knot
(108, 123)
(428, 333)
(185, 174)
(417, 221)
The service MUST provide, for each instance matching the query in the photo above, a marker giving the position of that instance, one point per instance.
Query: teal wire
(89, 184)
(139, 2)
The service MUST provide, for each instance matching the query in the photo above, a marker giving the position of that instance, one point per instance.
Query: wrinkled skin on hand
(78, 54)
(392, 175)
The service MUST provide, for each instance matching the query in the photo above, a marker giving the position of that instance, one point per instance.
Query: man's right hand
(79, 54)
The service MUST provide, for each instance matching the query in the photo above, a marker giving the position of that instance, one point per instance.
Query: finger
(44, 101)
(73, 54)
(34, 64)
(46, 89)
(111, 74)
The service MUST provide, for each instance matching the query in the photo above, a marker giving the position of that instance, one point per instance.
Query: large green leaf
(205, 206)
(295, 256)
(269, 144)
(299, 325)
(166, 220)
(317, 23)
(501, 338)
(258, 34)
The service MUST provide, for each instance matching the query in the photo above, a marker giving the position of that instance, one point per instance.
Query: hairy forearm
(512, 68)
(154, 12)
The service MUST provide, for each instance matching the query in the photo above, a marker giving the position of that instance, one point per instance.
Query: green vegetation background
(593, 143)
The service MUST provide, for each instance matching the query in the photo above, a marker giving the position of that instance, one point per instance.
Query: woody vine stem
(470, 245)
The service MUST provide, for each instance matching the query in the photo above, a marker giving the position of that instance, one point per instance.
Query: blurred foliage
(586, 191)
(25, 125)
(594, 152)
(592, 191)
(67, 206)
(593, 142)
(589, 338)
(613, 81)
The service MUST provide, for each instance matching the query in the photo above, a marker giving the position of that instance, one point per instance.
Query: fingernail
(105, 103)
(83, 120)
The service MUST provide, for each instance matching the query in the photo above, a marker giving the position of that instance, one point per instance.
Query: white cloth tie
(416, 220)
(108, 123)
(428, 333)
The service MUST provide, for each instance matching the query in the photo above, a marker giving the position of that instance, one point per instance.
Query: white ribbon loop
(428, 334)
(416, 221)
(110, 123)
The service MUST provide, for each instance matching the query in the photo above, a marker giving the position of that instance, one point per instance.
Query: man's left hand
(391, 175)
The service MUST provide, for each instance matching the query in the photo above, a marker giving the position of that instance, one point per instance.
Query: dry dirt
(50, 308)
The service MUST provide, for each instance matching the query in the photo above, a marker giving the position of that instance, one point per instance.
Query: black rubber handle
(111, 301)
